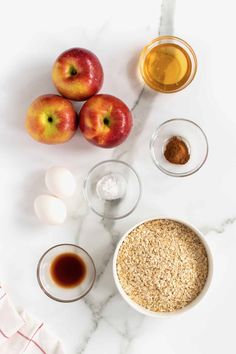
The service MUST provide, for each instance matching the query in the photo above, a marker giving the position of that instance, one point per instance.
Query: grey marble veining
(125, 152)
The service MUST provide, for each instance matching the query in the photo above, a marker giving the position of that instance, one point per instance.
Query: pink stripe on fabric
(4, 335)
(3, 296)
(31, 339)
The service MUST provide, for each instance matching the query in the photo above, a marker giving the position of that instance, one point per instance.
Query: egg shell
(60, 182)
(50, 210)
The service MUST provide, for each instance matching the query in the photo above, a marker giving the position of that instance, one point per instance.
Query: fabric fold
(21, 333)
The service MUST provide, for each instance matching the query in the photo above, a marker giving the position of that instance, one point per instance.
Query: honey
(167, 67)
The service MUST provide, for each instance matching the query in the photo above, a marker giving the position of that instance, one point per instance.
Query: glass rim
(177, 174)
(41, 284)
(185, 44)
(87, 198)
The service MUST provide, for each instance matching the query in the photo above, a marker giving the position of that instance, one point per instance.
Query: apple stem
(73, 71)
(106, 121)
(50, 119)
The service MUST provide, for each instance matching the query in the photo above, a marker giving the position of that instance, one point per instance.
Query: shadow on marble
(132, 71)
(30, 189)
(29, 81)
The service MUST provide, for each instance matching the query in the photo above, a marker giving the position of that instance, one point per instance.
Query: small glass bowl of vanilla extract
(66, 272)
(168, 64)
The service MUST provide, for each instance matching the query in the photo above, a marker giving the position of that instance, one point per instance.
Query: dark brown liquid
(68, 270)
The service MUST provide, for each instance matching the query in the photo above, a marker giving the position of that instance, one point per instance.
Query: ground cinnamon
(176, 151)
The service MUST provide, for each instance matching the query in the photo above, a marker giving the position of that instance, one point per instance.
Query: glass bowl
(52, 289)
(118, 208)
(191, 134)
(186, 55)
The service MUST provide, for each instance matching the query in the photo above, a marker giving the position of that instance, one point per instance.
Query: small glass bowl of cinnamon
(179, 147)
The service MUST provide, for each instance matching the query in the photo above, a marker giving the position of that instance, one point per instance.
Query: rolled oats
(162, 265)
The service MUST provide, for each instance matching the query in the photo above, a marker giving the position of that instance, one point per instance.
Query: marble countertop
(33, 34)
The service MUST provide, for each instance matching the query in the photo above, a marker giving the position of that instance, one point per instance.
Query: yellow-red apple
(51, 119)
(105, 120)
(77, 74)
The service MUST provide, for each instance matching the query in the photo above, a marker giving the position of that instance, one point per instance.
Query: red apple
(51, 119)
(77, 74)
(105, 120)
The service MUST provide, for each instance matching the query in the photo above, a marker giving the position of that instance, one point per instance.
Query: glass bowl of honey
(168, 64)
(179, 147)
(66, 272)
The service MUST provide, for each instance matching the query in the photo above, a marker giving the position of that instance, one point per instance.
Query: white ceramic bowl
(145, 311)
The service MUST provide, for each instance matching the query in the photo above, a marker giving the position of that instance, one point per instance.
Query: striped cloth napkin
(20, 333)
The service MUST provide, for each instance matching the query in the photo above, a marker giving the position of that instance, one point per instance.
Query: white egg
(50, 210)
(60, 182)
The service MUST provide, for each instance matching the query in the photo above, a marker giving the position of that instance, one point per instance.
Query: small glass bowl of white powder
(112, 189)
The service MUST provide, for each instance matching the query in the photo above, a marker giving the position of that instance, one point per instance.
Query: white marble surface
(32, 35)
